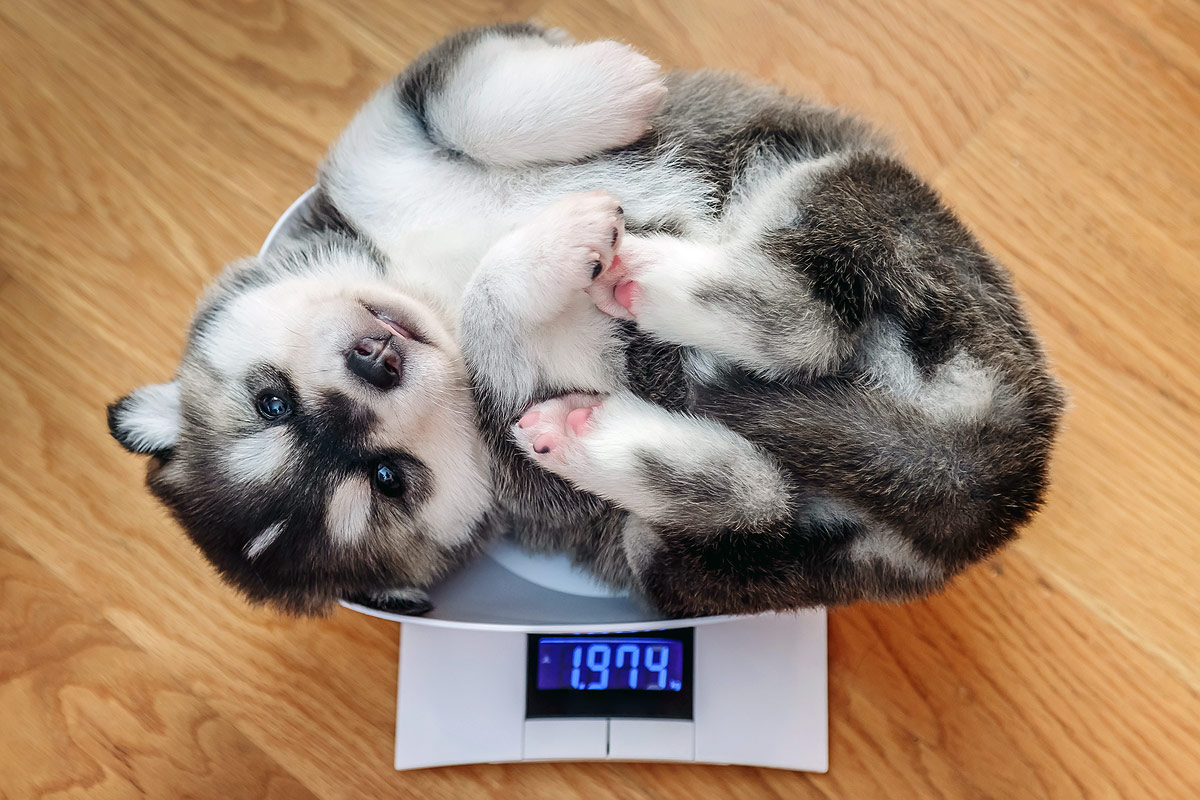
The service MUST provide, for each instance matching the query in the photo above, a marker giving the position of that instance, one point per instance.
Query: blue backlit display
(595, 664)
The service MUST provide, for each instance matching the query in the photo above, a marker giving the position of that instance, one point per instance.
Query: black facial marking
(334, 427)
(302, 570)
(401, 484)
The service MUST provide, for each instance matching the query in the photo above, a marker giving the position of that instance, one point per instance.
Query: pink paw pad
(547, 427)
(545, 442)
(615, 292)
(577, 420)
(626, 294)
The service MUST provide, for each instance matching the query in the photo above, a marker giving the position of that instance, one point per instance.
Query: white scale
(524, 658)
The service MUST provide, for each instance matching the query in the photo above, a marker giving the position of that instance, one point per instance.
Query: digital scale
(525, 658)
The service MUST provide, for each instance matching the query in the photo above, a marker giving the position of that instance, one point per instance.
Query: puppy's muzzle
(376, 362)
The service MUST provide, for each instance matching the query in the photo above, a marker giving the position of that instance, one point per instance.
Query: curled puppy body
(796, 378)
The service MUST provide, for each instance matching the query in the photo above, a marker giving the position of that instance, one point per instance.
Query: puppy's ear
(408, 601)
(147, 420)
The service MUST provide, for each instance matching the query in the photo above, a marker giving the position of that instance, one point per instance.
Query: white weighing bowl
(509, 589)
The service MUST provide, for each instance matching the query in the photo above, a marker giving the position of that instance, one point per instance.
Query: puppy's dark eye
(272, 406)
(388, 480)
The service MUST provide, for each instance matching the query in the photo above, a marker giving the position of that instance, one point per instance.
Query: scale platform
(524, 658)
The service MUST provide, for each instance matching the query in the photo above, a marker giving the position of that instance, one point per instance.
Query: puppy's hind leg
(517, 96)
(663, 466)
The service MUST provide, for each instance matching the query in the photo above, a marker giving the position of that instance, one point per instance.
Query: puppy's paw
(625, 89)
(408, 601)
(573, 241)
(551, 432)
(617, 291)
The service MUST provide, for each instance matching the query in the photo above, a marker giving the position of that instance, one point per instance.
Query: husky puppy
(718, 343)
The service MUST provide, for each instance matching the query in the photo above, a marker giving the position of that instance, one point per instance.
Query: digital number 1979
(597, 666)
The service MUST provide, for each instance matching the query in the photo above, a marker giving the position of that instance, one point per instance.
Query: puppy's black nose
(376, 363)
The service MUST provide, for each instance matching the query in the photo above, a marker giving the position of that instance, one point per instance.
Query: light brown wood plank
(88, 713)
(1121, 526)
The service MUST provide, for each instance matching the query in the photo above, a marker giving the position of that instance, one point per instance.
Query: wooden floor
(145, 143)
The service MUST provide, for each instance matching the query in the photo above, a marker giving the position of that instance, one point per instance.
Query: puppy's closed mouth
(388, 320)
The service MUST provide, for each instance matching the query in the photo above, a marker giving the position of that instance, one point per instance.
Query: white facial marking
(259, 457)
(262, 541)
(349, 510)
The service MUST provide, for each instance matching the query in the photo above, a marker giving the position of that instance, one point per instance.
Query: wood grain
(145, 143)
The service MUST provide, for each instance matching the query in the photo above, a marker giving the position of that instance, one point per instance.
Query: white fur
(534, 322)
(515, 102)
(675, 275)
(608, 459)
(878, 544)
(961, 389)
(639, 542)
(150, 419)
(767, 195)
(410, 198)
(449, 446)
(259, 457)
(704, 367)
(349, 511)
(882, 544)
(256, 546)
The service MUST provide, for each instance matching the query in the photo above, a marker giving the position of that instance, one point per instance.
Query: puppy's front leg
(666, 467)
(528, 327)
(730, 299)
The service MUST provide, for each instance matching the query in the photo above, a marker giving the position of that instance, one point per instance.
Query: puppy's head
(318, 441)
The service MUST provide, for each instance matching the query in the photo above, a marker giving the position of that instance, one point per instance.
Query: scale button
(566, 738)
(652, 739)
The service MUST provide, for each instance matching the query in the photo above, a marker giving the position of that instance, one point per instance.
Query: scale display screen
(647, 674)
(590, 664)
